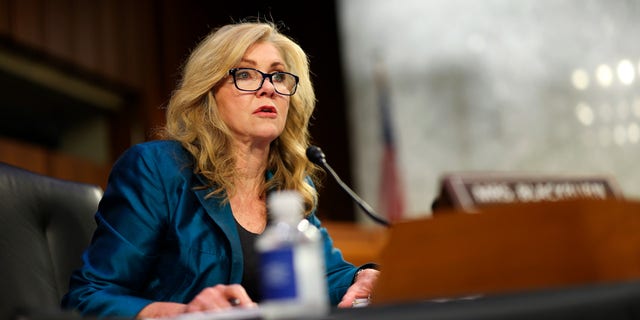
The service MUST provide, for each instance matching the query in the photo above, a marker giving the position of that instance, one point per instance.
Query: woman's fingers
(220, 297)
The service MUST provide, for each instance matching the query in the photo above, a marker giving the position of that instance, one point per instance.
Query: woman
(179, 216)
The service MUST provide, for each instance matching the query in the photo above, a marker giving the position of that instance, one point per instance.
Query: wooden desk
(359, 244)
(511, 248)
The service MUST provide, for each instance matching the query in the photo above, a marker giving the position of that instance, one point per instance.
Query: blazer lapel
(221, 214)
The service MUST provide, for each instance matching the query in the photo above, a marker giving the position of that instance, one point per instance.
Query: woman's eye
(278, 77)
(243, 75)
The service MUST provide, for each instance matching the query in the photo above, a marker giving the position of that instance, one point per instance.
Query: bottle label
(278, 274)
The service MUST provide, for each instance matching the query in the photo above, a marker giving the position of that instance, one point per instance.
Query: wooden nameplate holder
(468, 191)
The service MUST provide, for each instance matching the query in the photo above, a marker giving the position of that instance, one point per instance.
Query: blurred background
(543, 87)
(437, 86)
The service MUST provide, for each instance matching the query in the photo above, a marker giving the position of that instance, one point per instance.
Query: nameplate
(468, 191)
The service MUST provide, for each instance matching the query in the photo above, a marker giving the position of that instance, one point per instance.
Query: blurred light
(584, 113)
(605, 112)
(619, 134)
(636, 107)
(604, 136)
(589, 138)
(476, 43)
(626, 74)
(622, 110)
(634, 132)
(604, 75)
(580, 79)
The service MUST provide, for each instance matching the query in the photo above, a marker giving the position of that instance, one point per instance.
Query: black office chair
(45, 224)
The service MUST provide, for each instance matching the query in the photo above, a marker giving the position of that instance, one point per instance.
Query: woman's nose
(267, 86)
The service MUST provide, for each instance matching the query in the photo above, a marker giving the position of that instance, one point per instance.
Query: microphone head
(315, 155)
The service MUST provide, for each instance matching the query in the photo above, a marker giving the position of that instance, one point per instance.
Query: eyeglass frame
(232, 73)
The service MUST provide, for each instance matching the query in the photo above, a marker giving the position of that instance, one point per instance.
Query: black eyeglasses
(250, 79)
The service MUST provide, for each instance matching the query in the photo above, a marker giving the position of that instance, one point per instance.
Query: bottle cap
(286, 205)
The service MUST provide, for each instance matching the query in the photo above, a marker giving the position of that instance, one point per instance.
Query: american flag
(391, 190)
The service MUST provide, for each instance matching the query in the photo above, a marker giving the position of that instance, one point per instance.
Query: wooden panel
(72, 168)
(26, 22)
(86, 46)
(23, 155)
(57, 29)
(51, 163)
(177, 40)
(109, 32)
(149, 71)
(4, 17)
(129, 70)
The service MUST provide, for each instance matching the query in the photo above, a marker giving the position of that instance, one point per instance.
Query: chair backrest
(45, 224)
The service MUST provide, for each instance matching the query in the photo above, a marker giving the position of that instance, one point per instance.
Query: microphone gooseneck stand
(315, 155)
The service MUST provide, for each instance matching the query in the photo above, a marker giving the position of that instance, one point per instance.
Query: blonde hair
(194, 121)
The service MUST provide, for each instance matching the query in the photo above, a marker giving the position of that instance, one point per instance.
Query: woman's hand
(161, 310)
(219, 297)
(361, 288)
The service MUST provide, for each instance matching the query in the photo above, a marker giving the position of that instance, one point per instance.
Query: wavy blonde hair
(194, 121)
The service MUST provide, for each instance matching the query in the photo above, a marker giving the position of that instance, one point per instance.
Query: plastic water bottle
(292, 274)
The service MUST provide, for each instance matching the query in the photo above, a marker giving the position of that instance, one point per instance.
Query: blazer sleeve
(340, 273)
(130, 218)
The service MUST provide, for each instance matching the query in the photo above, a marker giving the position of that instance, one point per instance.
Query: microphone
(315, 155)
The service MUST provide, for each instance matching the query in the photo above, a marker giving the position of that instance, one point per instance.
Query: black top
(251, 274)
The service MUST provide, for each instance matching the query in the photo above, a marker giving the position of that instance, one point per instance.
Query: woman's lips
(266, 111)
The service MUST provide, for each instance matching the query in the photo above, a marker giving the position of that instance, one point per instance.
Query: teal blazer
(159, 239)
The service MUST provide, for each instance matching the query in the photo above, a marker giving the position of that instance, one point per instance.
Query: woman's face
(255, 118)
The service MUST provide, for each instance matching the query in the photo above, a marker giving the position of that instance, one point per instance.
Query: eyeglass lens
(252, 80)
